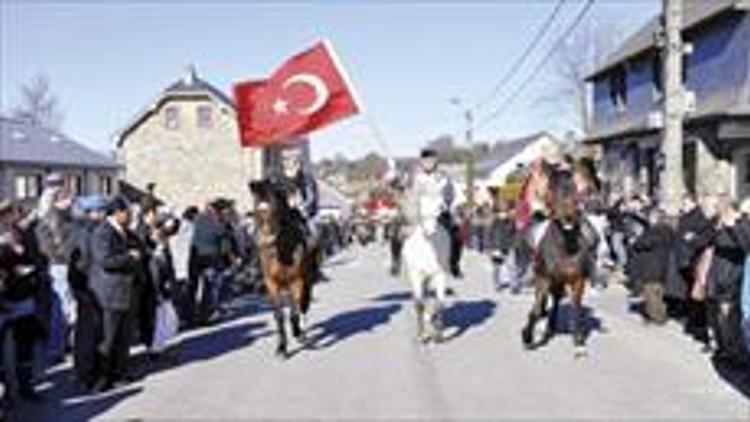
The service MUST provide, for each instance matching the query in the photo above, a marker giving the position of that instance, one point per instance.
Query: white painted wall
(526, 156)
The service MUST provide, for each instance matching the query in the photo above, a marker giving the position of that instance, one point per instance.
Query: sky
(107, 60)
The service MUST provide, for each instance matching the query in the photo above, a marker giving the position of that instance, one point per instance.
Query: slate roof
(695, 12)
(198, 85)
(192, 84)
(506, 150)
(21, 142)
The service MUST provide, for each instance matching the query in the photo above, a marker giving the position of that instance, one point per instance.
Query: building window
(75, 184)
(656, 72)
(105, 185)
(172, 118)
(618, 88)
(28, 186)
(205, 117)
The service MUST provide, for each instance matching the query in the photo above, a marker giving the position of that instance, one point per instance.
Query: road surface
(367, 363)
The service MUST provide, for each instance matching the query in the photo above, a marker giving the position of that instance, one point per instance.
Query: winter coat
(57, 235)
(208, 232)
(695, 232)
(731, 246)
(162, 272)
(652, 254)
(113, 267)
(502, 234)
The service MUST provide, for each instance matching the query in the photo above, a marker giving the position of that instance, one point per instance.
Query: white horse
(426, 258)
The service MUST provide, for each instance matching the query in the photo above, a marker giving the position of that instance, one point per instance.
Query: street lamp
(469, 117)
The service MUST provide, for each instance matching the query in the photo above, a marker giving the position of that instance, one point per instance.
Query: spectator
(162, 272)
(696, 230)
(651, 252)
(180, 245)
(56, 237)
(87, 329)
(114, 260)
(731, 247)
(21, 278)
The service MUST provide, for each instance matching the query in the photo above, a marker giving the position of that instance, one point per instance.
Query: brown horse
(562, 261)
(284, 259)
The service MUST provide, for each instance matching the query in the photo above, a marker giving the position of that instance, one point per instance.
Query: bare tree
(579, 56)
(39, 106)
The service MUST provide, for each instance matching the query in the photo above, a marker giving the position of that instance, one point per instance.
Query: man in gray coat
(114, 261)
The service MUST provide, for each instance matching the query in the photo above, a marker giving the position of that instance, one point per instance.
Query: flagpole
(373, 127)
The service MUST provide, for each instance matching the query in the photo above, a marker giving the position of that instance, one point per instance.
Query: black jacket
(652, 254)
(695, 232)
(731, 246)
(112, 268)
(162, 272)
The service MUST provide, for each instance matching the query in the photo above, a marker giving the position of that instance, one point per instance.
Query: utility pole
(672, 186)
(470, 159)
(469, 116)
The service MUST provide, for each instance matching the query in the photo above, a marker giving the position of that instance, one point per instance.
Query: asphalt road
(365, 362)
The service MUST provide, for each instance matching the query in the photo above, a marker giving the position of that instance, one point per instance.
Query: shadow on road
(564, 324)
(738, 378)
(62, 405)
(465, 315)
(204, 346)
(65, 400)
(348, 324)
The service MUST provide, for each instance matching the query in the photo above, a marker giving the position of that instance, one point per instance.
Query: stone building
(187, 143)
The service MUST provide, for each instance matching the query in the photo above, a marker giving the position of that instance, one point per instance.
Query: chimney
(190, 75)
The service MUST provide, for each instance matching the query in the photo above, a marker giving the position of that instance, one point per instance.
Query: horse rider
(302, 194)
(430, 195)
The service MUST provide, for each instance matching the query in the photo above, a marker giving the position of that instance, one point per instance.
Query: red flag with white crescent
(309, 91)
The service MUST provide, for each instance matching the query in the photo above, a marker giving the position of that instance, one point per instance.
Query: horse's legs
(274, 295)
(541, 291)
(553, 313)
(298, 291)
(438, 283)
(579, 336)
(417, 283)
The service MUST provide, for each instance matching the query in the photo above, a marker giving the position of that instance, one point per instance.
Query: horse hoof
(281, 353)
(580, 352)
(527, 338)
(302, 339)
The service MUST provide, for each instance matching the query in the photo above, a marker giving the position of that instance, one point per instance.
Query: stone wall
(190, 165)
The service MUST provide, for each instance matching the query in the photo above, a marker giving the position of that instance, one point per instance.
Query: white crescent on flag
(317, 84)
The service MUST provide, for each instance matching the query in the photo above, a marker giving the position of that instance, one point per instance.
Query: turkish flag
(309, 91)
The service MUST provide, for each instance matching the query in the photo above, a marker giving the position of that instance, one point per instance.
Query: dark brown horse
(285, 259)
(562, 260)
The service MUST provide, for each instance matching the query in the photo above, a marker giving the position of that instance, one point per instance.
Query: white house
(506, 157)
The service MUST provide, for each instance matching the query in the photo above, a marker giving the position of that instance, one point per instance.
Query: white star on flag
(281, 107)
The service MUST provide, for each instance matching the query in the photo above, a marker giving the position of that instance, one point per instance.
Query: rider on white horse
(426, 253)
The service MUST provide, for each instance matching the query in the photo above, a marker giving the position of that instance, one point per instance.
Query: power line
(511, 98)
(516, 67)
(508, 76)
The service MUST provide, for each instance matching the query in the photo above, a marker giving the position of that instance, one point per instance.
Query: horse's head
(563, 192)
(267, 201)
